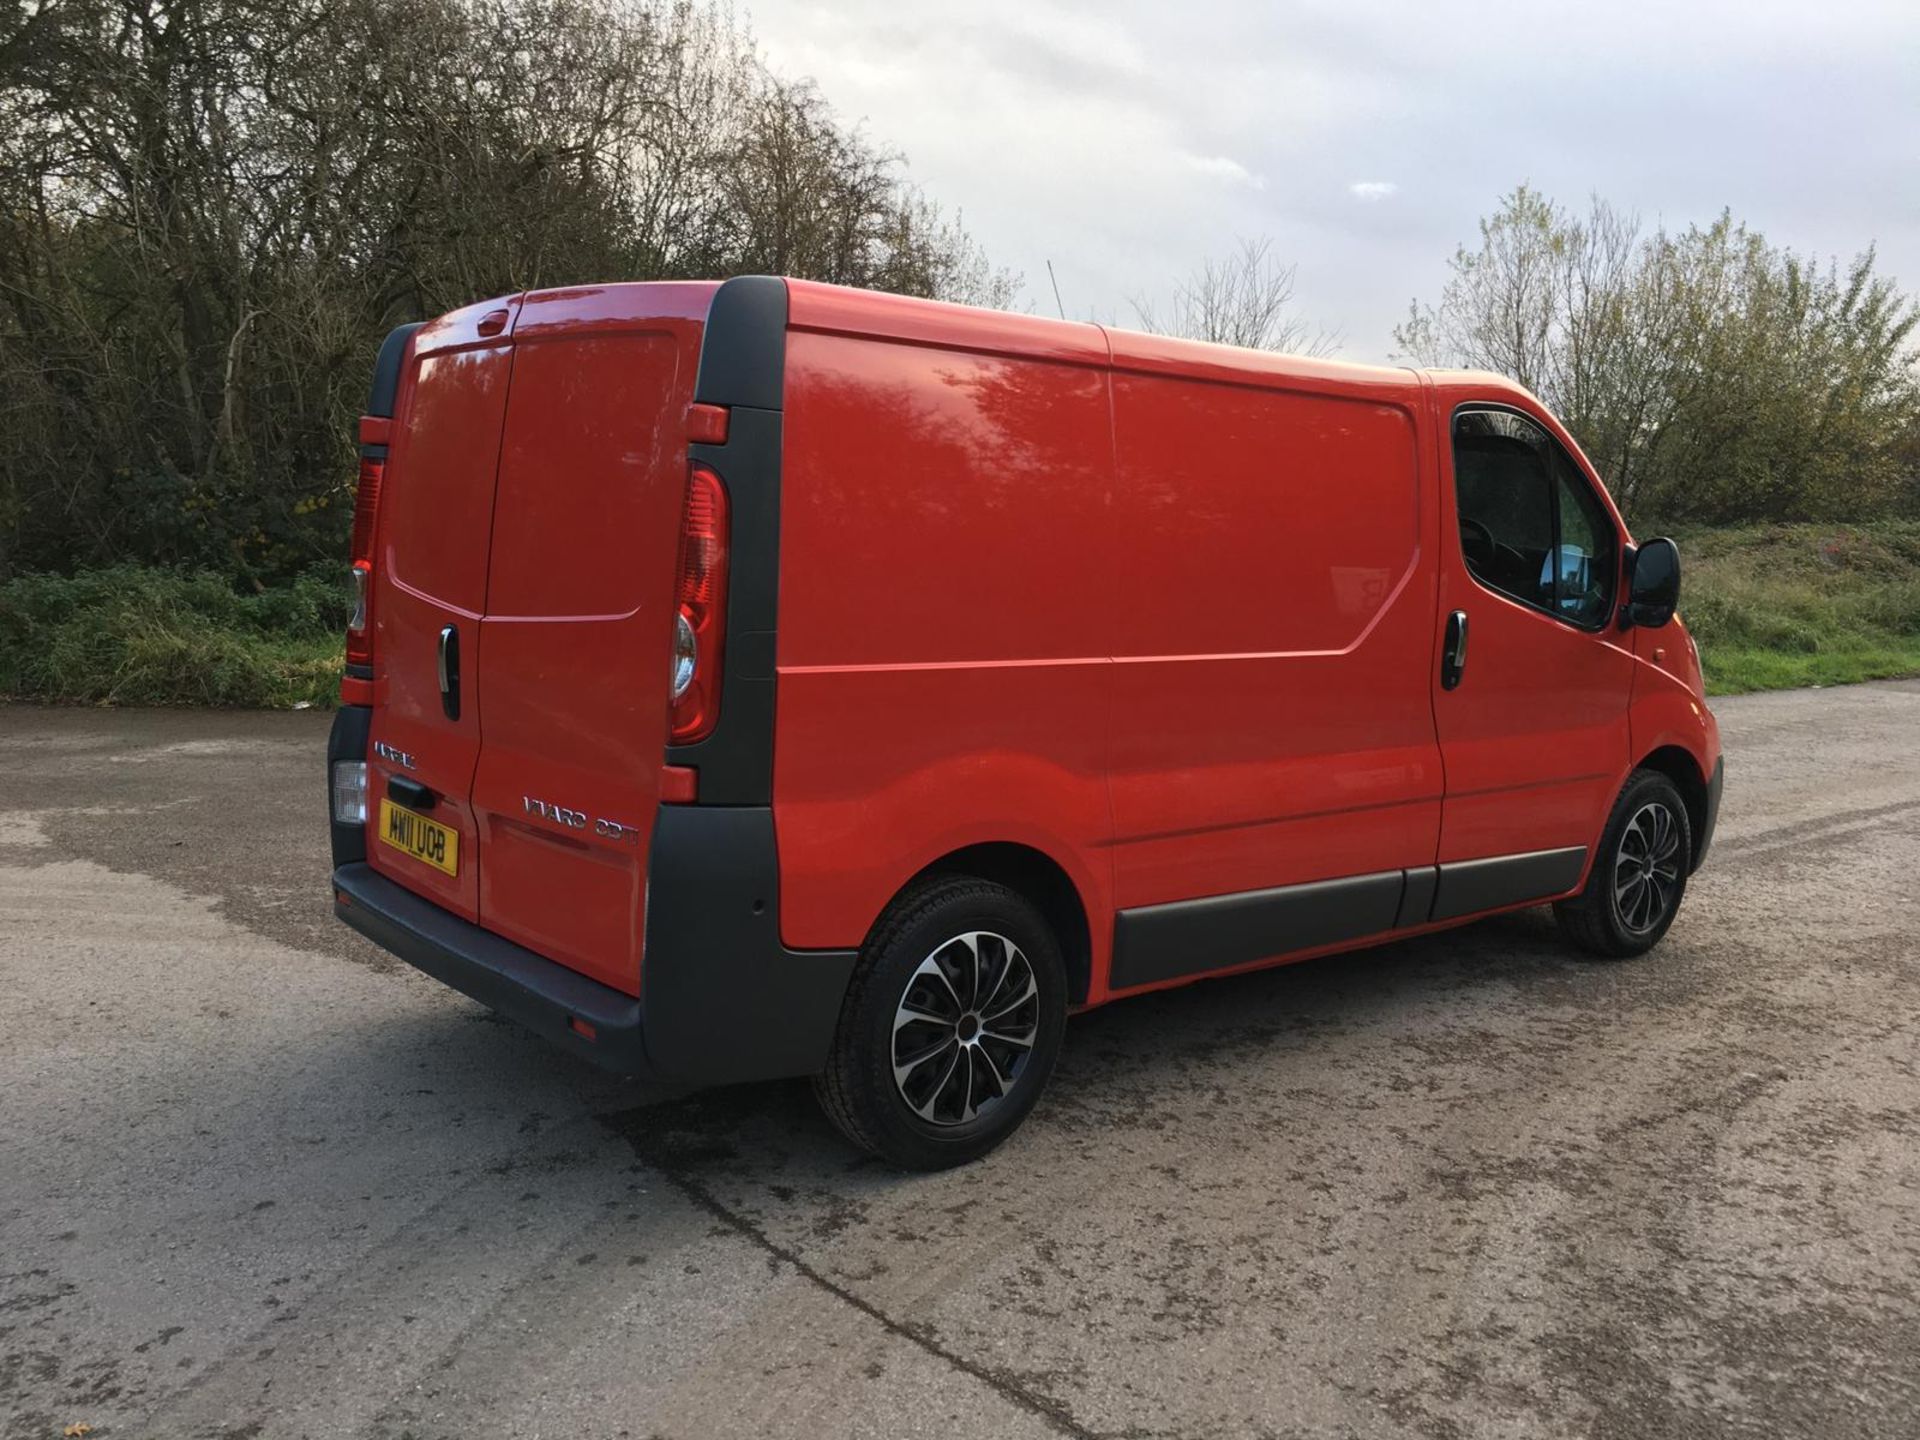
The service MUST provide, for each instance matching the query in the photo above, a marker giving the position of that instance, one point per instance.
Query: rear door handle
(449, 665)
(1453, 656)
(410, 793)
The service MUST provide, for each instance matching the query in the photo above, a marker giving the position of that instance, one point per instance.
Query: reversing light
(362, 572)
(686, 654)
(349, 792)
(700, 609)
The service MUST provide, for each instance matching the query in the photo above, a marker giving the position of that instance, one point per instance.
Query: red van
(770, 679)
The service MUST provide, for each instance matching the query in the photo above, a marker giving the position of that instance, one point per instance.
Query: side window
(1505, 491)
(1587, 561)
(1529, 525)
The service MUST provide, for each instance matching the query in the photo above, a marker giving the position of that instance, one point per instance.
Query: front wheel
(1639, 875)
(950, 1027)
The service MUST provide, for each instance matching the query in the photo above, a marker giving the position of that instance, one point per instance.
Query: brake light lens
(366, 505)
(700, 608)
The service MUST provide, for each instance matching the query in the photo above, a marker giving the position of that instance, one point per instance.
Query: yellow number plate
(420, 837)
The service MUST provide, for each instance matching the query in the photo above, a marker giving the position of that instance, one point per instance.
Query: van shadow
(492, 1120)
(1379, 988)
(1181, 1045)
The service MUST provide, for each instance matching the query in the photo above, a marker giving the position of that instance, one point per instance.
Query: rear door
(1534, 729)
(429, 590)
(575, 647)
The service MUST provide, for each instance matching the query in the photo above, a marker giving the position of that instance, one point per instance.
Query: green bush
(1772, 606)
(1775, 606)
(134, 636)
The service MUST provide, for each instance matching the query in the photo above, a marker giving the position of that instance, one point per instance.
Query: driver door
(1533, 727)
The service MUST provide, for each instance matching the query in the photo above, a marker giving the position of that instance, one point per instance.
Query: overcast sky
(1125, 140)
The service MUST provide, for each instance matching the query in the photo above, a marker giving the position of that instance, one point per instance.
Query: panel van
(767, 679)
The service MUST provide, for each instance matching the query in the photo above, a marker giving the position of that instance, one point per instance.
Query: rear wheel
(1639, 875)
(950, 1027)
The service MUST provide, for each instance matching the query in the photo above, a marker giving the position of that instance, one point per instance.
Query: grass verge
(135, 636)
(1779, 606)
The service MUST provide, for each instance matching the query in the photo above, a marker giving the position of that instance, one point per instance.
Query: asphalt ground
(258, 1179)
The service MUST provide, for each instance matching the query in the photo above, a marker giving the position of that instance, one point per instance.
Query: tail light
(349, 792)
(366, 506)
(700, 608)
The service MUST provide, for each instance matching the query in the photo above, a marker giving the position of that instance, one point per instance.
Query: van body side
(1216, 658)
(947, 583)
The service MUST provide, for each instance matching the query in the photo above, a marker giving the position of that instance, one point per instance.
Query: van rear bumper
(531, 989)
(721, 999)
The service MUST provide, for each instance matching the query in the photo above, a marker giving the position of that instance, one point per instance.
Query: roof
(840, 309)
(835, 309)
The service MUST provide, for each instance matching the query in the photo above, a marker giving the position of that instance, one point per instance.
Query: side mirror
(1653, 589)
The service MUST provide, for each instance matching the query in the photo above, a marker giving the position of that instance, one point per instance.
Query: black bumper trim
(539, 993)
(1705, 837)
(722, 999)
(725, 999)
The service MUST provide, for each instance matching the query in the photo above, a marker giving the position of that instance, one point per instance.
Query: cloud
(1225, 167)
(1129, 141)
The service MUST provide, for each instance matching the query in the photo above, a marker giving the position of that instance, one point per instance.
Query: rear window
(592, 475)
(437, 505)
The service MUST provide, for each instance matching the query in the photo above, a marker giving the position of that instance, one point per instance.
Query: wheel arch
(1678, 765)
(1040, 879)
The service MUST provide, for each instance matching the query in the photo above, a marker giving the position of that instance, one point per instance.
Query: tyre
(950, 1027)
(1639, 874)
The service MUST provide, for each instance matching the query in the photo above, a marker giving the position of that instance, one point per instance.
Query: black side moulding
(386, 370)
(1191, 937)
(1470, 886)
(1416, 902)
(736, 760)
(1195, 937)
(380, 400)
(743, 366)
(743, 355)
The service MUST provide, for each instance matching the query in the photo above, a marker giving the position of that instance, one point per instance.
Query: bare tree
(212, 210)
(1243, 299)
(1705, 372)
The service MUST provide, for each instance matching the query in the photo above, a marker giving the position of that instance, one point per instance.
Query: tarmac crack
(1050, 1412)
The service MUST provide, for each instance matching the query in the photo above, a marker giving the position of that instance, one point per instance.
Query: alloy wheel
(965, 1028)
(1646, 867)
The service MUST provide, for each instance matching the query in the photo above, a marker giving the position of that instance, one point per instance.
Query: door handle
(1453, 656)
(410, 793)
(449, 666)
